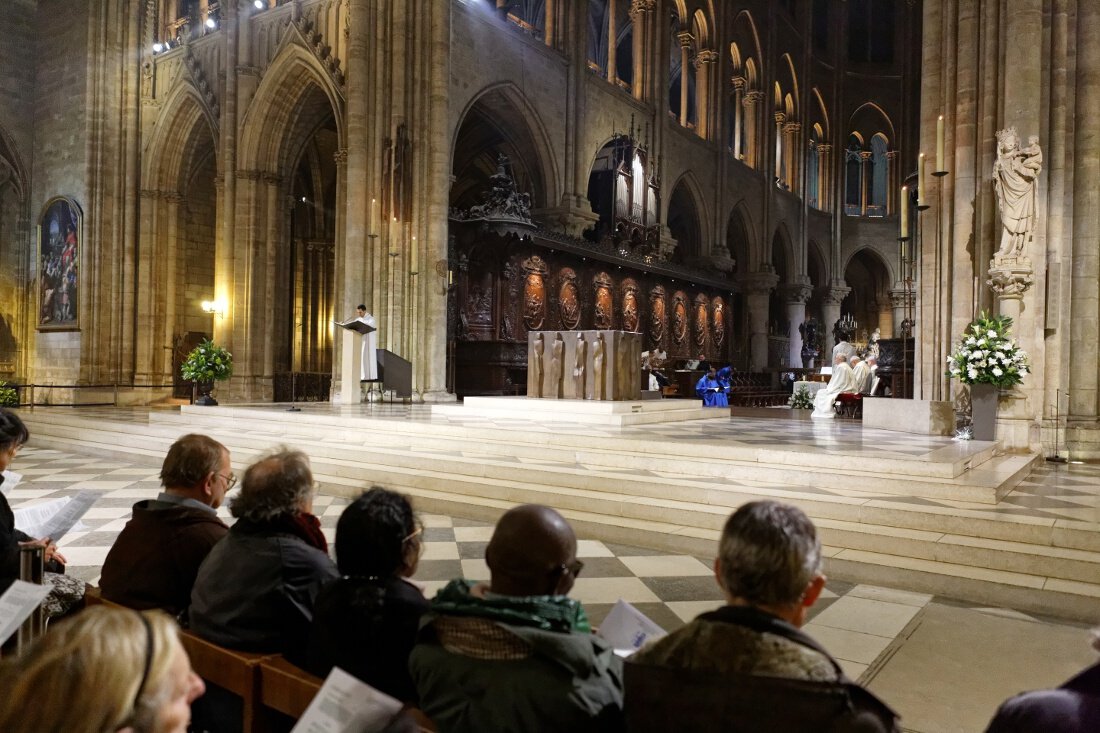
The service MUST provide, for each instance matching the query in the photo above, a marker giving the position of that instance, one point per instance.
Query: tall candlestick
(904, 212)
(920, 180)
(939, 145)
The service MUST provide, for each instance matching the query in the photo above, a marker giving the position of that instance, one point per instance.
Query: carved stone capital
(891, 154)
(271, 179)
(865, 155)
(637, 7)
(901, 298)
(739, 83)
(797, 293)
(780, 117)
(248, 175)
(752, 97)
(149, 193)
(1010, 277)
(792, 127)
(340, 156)
(758, 282)
(685, 39)
(824, 148)
(172, 197)
(835, 295)
(705, 57)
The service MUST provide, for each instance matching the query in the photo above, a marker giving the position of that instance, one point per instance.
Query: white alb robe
(369, 367)
(843, 380)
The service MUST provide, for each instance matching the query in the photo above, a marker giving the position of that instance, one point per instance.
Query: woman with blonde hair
(105, 670)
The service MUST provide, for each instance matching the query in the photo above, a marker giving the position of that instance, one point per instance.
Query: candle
(904, 212)
(920, 180)
(415, 256)
(370, 218)
(939, 146)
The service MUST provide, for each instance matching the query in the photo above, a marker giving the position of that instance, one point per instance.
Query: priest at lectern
(369, 369)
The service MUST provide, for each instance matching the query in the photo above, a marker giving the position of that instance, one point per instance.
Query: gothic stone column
(830, 310)
(797, 294)
(757, 286)
(1010, 278)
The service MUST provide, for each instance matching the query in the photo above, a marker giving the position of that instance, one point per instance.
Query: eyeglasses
(574, 567)
(230, 480)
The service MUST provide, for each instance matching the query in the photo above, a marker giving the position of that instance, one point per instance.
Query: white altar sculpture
(1014, 180)
(584, 365)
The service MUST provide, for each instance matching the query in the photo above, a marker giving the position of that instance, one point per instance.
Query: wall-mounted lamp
(214, 307)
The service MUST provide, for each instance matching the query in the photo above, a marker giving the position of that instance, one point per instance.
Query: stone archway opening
(869, 300)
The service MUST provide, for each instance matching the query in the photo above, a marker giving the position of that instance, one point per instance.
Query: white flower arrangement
(986, 355)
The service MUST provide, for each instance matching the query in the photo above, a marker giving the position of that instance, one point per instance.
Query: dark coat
(1072, 708)
(738, 670)
(255, 591)
(367, 628)
(156, 557)
(10, 538)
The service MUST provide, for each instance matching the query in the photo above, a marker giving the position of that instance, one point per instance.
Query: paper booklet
(11, 480)
(17, 603)
(344, 704)
(56, 517)
(627, 629)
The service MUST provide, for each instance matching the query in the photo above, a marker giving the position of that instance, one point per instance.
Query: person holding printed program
(710, 390)
(370, 345)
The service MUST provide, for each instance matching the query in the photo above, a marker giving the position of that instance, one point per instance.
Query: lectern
(351, 359)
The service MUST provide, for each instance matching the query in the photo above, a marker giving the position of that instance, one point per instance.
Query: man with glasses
(156, 557)
(518, 653)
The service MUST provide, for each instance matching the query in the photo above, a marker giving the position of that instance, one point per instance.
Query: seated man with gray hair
(256, 588)
(748, 666)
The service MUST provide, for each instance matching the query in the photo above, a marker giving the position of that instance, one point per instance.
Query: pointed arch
(11, 165)
(180, 126)
(700, 29)
(876, 258)
(686, 217)
(820, 113)
(782, 249)
(291, 79)
(789, 82)
(869, 118)
(506, 122)
(739, 238)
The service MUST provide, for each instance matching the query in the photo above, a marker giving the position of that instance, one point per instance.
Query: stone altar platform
(923, 417)
(586, 412)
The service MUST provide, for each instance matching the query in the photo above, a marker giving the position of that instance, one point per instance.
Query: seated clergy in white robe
(869, 375)
(843, 380)
(859, 372)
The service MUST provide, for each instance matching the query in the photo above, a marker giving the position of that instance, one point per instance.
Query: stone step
(989, 481)
(694, 500)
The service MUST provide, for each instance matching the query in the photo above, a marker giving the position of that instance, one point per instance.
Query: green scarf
(549, 613)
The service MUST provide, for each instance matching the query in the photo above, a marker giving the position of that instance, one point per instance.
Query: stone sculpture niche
(601, 365)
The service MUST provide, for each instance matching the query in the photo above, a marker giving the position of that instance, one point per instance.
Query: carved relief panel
(657, 316)
(700, 323)
(630, 305)
(568, 299)
(679, 319)
(718, 320)
(604, 303)
(534, 293)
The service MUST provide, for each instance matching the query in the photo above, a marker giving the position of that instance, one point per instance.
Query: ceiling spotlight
(211, 23)
(259, 4)
(158, 47)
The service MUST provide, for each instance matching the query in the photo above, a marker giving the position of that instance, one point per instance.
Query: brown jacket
(156, 557)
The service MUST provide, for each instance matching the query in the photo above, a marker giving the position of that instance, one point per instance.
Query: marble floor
(944, 665)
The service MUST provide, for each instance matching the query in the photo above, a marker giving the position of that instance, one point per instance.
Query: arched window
(681, 77)
(813, 171)
(880, 177)
(853, 176)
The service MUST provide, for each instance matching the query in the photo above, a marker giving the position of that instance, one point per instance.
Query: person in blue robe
(711, 391)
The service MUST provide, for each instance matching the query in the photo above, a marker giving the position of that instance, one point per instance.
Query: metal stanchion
(31, 570)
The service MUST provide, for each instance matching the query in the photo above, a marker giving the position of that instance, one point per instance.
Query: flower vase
(983, 411)
(204, 389)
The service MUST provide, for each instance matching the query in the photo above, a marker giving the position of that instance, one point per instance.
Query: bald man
(517, 654)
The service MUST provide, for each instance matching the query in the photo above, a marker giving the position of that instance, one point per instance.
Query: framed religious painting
(60, 237)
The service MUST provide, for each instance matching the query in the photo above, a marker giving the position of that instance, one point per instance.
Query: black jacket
(256, 588)
(10, 538)
(367, 628)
